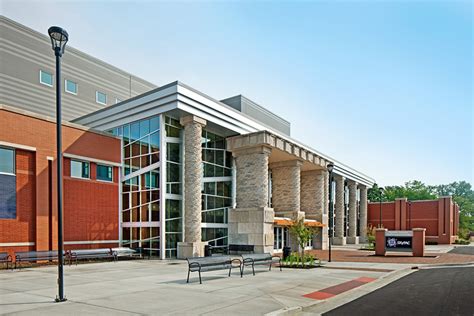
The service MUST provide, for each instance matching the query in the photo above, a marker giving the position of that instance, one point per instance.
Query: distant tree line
(461, 192)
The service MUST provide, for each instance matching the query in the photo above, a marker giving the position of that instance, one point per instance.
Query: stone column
(339, 238)
(286, 183)
(363, 214)
(352, 238)
(251, 222)
(192, 178)
(313, 201)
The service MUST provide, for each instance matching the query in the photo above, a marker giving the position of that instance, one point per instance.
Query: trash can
(207, 251)
(286, 252)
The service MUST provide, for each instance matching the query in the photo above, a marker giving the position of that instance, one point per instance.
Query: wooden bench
(33, 256)
(102, 253)
(203, 264)
(5, 258)
(240, 248)
(253, 259)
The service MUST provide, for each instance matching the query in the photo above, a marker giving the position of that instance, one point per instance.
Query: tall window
(104, 173)
(46, 78)
(70, 86)
(141, 188)
(7, 160)
(217, 189)
(80, 169)
(100, 97)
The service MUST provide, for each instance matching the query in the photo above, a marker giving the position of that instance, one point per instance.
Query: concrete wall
(91, 210)
(439, 217)
(25, 52)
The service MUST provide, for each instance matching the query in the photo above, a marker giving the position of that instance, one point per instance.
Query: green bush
(462, 242)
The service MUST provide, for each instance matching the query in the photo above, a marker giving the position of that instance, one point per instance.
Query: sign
(398, 241)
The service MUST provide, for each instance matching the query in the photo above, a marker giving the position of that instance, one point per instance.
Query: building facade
(27, 76)
(439, 217)
(222, 176)
(28, 204)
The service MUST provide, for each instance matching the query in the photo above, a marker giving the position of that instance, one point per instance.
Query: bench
(5, 258)
(33, 256)
(240, 248)
(203, 264)
(257, 259)
(102, 253)
(127, 252)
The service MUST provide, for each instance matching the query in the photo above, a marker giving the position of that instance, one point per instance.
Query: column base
(191, 249)
(353, 240)
(363, 240)
(339, 241)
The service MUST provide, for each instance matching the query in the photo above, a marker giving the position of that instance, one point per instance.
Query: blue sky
(385, 87)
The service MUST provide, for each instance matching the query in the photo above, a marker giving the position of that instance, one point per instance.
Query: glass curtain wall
(174, 186)
(140, 215)
(217, 189)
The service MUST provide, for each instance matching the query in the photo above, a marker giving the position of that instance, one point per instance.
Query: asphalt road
(463, 250)
(440, 291)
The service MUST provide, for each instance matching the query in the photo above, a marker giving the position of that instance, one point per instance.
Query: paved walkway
(159, 287)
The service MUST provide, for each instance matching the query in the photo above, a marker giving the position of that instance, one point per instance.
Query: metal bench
(203, 264)
(5, 258)
(127, 252)
(102, 253)
(253, 259)
(240, 248)
(33, 256)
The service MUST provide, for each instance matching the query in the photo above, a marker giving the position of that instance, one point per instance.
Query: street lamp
(381, 189)
(331, 208)
(59, 38)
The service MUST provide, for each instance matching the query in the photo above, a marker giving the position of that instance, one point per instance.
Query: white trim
(97, 97)
(216, 179)
(44, 83)
(141, 224)
(94, 160)
(50, 158)
(17, 146)
(17, 244)
(70, 92)
(142, 171)
(91, 242)
(8, 174)
(214, 225)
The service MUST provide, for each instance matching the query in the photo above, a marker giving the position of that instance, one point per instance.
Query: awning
(288, 222)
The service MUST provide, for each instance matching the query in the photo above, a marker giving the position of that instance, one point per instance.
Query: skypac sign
(400, 240)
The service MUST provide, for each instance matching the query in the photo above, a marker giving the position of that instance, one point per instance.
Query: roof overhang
(178, 96)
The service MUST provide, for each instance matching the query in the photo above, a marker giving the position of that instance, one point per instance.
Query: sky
(385, 87)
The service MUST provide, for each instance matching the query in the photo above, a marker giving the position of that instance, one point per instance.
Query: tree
(303, 234)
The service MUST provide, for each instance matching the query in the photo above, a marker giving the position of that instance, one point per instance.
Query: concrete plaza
(159, 287)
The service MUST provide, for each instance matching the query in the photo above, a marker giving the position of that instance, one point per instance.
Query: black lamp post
(331, 208)
(59, 38)
(380, 200)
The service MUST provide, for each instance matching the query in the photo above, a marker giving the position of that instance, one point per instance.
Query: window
(7, 160)
(104, 173)
(80, 169)
(70, 86)
(46, 78)
(100, 97)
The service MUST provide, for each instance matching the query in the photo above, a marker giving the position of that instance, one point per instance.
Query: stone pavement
(148, 287)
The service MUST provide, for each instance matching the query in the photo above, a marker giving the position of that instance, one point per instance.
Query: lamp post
(331, 208)
(380, 203)
(59, 38)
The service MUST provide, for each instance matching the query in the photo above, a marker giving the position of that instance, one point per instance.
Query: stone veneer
(251, 222)
(339, 238)
(192, 245)
(352, 220)
(286, 188)
(363, 214)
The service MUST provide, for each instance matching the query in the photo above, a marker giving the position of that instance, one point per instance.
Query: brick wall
(91, 211)
(439, 217)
